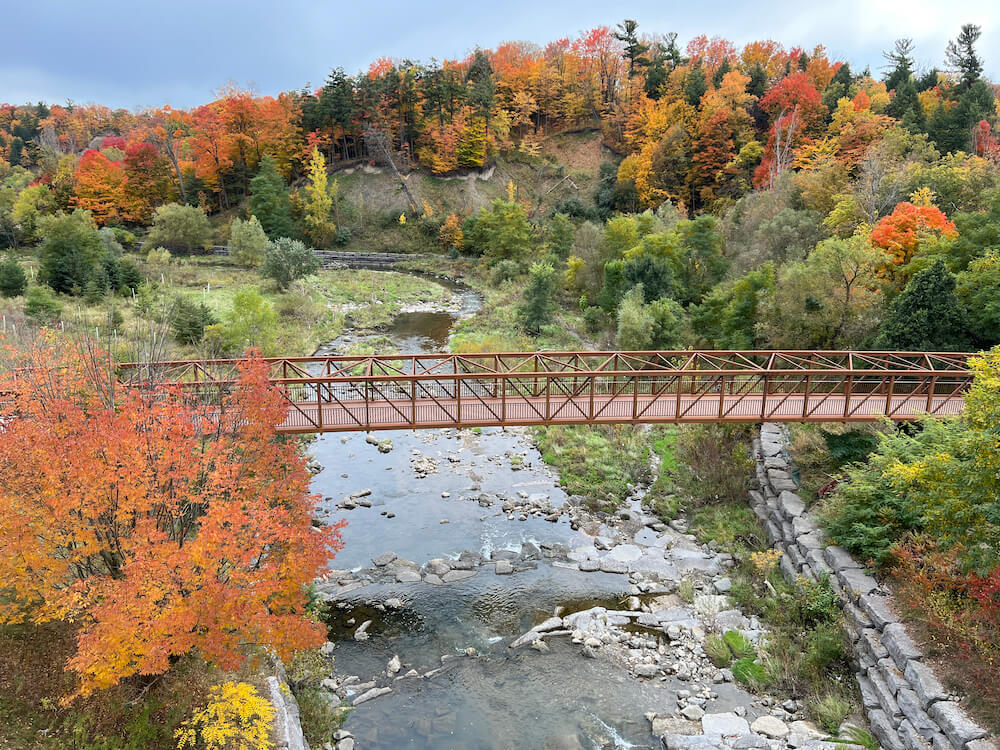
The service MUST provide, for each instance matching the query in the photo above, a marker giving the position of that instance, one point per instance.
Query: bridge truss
(352, 393)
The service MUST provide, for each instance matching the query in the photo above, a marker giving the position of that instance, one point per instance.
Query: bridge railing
(352, 393)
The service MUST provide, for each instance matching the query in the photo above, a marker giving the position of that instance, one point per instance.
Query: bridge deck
(399, 414)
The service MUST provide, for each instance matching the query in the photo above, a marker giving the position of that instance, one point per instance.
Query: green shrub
(13, 279)
(849, 447)
(287, 260)
(595, 319)
(739, 644)
(42, 306)
(727, 524)
(817, 601)
(188, 320)
(159, 256)
(714, 462)
(247, 242)
(180, 229)
(343, 236)
(717, 650)
(749, 673)
(504, 271)
(124, 237)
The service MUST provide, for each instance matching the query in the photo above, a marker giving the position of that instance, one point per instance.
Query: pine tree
(927, 316)
(269, 201)
(901, 58)
(634, 49)
(13, 280)
(538, 306)
(695, 85)
(962, 56)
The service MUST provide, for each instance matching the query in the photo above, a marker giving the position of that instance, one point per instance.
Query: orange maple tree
(901, 232)
(158, 525)
(100, 187)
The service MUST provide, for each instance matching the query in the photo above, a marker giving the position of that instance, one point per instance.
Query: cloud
(152, 53)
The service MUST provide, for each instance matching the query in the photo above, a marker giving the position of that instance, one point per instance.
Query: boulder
(770, 726)
(724, 725)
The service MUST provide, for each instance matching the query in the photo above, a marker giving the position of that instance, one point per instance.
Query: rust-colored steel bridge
(340, 394)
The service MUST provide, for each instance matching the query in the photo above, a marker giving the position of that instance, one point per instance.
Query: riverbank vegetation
(804, 654)
(919, 505)
(204, 307)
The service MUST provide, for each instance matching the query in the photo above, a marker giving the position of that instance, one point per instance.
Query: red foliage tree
(713, 150)
(100, 187)
(158, 525)
(901, 232)
(795, 93)
(147, 181)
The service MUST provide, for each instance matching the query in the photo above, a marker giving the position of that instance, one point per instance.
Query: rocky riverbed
(594, 623)
(476, 605)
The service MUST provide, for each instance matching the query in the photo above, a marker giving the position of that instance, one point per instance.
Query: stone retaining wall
(287, 726)
(908, 708)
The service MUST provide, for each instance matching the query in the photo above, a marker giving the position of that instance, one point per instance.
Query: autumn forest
(623, 189)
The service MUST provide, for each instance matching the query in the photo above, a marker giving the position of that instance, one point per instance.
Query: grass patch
(739, 644)
(312, 311)
(139, 714)
(597, 462)
(713, 463)
(727, 524)
(717, 650)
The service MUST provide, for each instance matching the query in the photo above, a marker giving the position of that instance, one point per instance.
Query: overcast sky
(152, 52)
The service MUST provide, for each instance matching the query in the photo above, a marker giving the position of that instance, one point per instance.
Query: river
(423, 506)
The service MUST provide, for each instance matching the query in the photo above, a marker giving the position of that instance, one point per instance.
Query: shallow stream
(498, 698)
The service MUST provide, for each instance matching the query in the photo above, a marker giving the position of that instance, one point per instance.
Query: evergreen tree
(188, 320)
(656, 74)
(901, 58)
(695, 85)
(654, 273)
(561, 235)
(962, 56)
(538, 306)
(269, 200)
(72, 252)
(634, 49)
(927, 316)
(720, 72)
(13, 280)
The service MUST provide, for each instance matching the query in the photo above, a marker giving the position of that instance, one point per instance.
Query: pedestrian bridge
(391, 392)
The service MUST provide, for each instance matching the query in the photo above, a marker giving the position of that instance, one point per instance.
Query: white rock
(769, 726)
(692, 713)
(394, 665)
(724, 725)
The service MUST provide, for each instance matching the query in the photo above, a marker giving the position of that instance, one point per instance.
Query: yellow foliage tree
(319, 202)
(450, 235)
(236, 717)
